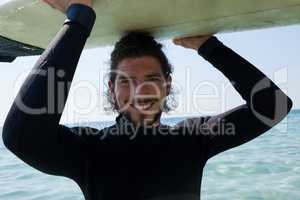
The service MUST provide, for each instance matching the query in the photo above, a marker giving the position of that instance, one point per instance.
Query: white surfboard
(35, 23)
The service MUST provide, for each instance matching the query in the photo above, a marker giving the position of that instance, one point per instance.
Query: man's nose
(145, 88)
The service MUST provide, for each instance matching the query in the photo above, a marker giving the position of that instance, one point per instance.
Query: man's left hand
(63, 5)
(194, 42)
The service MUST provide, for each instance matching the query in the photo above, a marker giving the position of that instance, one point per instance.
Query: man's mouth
(145, 105)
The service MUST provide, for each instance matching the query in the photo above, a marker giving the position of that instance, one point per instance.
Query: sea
(266, 168)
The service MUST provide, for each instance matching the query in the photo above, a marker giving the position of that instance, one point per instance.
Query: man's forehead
(146, 66)
(127, 75)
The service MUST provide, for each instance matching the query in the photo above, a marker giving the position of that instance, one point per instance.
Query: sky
(199, 88)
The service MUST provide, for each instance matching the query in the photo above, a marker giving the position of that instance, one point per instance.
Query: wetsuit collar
(122, 119)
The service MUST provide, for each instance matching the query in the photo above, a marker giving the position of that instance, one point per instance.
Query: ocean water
(267, 167)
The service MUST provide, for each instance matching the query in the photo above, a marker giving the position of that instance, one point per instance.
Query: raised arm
(31, 130)
(266, 104)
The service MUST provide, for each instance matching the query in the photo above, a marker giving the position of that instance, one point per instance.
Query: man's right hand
(63, 5)
(194, 42)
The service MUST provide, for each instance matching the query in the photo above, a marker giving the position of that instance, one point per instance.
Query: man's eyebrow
(154, 75)
(125, 77)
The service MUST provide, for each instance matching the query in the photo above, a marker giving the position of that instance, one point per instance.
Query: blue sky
(200, 88)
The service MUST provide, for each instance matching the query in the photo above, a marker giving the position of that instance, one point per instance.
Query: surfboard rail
(10, 50)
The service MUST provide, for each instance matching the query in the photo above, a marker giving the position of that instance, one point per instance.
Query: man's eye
(124, 81)
(155, 79)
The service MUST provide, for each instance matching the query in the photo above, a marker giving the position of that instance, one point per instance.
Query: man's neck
(143, 123)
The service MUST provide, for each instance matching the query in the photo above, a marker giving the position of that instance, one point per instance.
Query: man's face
(140, 89)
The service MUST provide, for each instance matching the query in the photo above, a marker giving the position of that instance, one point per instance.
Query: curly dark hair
(134, 45)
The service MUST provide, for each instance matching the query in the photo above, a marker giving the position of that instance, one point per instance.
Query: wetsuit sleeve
(32, 130)
(265, 106)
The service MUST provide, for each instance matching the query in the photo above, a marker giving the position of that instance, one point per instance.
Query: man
(160, 162)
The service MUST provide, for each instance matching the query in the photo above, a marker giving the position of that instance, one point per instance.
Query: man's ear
(111, 88)
(169, 83)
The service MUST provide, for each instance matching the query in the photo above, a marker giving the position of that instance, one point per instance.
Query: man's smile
(143, 105)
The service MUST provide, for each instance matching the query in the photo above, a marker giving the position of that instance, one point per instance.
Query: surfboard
(32, 24)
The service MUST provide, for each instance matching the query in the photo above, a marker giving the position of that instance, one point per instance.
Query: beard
(143, 119)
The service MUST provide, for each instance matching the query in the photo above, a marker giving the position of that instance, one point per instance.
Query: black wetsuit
(159, 163)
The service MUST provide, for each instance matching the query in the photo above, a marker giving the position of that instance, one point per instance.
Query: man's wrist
(81, 14)
(84, 2)
(208, 47)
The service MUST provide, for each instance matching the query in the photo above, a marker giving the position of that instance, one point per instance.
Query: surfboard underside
(33, 23)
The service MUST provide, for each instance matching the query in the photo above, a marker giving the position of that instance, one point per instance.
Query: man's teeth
(143, 106)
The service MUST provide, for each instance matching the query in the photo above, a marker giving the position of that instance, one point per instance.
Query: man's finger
(177, 41)
(49, 3)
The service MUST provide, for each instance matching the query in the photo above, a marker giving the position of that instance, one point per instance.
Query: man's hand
(194, 42)
(63, 5)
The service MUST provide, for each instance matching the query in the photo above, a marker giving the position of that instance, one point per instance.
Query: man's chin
(141, 119)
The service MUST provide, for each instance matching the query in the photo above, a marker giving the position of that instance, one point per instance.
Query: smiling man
(138, 87)
(159, 162)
